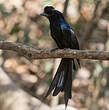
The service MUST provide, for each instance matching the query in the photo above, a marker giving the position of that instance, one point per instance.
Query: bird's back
(63, 35)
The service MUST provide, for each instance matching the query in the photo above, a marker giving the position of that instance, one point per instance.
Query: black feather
(64, 37)
(55, 80)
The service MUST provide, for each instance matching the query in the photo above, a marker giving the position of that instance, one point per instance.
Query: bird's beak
(44, 14)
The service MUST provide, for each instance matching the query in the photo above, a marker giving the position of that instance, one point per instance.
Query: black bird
(64, 37)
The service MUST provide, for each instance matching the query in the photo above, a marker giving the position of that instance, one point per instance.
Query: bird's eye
(50, 13)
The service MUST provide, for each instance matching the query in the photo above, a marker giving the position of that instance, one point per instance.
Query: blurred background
(20, 22)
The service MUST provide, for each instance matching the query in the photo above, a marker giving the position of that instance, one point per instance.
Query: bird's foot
(54, 49)
(66, 48)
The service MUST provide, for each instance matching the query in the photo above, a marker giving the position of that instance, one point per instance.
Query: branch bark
(32, 53)
(65, 8)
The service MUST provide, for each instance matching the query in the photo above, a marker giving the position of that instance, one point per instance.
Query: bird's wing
(69, 37)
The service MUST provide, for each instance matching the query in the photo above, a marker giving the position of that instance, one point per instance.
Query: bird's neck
(56, 22)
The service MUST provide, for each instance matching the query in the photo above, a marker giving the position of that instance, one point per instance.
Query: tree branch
(33, 53)
(65, 8)
(99, 10)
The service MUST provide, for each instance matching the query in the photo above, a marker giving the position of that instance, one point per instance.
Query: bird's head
(51, 13)
(48, 11)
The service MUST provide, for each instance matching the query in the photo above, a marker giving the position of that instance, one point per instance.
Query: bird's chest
(55, 31)
(58, 36)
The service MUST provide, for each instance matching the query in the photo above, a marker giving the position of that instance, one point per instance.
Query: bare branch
(33, 53)
(65, 8)
(100, 8)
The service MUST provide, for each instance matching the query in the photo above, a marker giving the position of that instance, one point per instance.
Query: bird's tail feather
(63, 79)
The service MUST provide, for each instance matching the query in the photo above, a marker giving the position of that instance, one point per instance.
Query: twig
(33, 53)
(89, 28)
(65, 8)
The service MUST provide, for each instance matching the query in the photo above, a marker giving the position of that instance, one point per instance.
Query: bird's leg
(54, 49)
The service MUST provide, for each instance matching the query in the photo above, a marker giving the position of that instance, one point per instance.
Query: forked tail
(63, 79)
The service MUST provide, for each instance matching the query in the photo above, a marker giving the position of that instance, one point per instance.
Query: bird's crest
(47, 8)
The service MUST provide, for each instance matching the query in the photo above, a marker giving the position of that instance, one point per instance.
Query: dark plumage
(64, 37)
